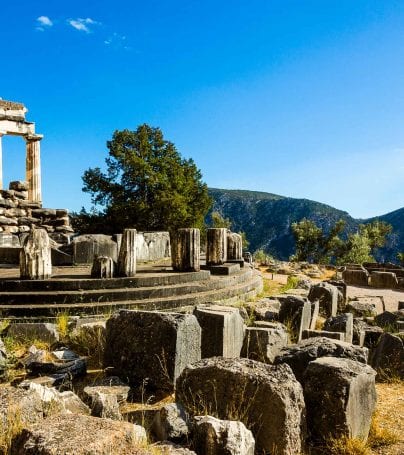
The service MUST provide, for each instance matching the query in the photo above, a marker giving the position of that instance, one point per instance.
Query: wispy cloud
(43, 22)
(117, 41)
(83, 25)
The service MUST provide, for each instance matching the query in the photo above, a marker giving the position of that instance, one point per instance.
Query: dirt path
(391, 297)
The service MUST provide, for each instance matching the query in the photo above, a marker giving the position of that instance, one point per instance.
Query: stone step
(246, 288)
(108, 295)
(77, 284)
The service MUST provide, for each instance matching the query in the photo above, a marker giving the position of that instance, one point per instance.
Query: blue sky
(300, 98)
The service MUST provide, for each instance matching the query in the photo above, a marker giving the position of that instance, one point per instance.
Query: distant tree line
(314, 245)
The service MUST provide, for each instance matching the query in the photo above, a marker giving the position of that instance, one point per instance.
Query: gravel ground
(390, 297)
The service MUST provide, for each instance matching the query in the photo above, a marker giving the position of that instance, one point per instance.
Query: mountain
(266, 219)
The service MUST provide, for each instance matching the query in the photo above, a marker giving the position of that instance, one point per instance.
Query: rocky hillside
(266, 219)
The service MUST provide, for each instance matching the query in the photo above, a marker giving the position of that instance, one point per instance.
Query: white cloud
(43, 22)
(117, 41)
(82, 24)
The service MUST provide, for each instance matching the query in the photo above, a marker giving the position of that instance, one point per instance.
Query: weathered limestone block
(298, 356)
(216, 246)
(222, 330)
(214, 436)
(361, 309)
(263, 344)
(147, 344)
(35, 256)
(266, 398)
(81, 435)
(66, 402)
(323, 333)
(342, 298)
(18, 185)
(327, 295)
(42, 331)
(105, 400)
(315, 311)
(27, 404)
(387, 280)
(388, 356)
(341, 323)
(170, 423)
(127, 254)
(86, 247)
(6, 221)
(356, 277)
(348, 407)
(103, 267)
(267, 309)
(234, 246)
(152, 246)
(295, 312)
(89, 339)
(186, 250)
(389, 319)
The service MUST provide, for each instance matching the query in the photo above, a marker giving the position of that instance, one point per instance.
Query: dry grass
(380, 435)
(346, 446)
(10, 427)
(62, 324)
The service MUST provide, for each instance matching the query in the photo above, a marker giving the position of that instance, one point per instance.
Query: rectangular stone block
(263, 344)
(340, 398)
(356, 277)
(387, 280)
(151, 346)
(30, 331)
(222, 330)
(323, 333)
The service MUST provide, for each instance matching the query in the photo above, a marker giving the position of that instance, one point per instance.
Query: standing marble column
(127, 254)
(234, 246)
(216, 247)
(1, 160)
(33, 168)
(35, 256)
(186, 250)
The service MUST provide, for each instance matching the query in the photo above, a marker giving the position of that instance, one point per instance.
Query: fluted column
(216, 246)
(186, 250)
(33, 168)
(127, 254)
(234, 246)
(2, 133)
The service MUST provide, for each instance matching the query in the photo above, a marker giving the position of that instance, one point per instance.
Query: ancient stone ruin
(189, 357)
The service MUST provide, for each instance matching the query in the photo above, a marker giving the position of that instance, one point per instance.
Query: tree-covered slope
(266, 219)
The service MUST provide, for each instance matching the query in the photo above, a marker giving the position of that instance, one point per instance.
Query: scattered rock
(147, 344)
(298, 356)
(81, 435)
(242, 389)
(341, 323)
(263, 344)
(361, 309)
(214, 436)
(41, 331)
(222, 330)
(171, 423)
(105, 400)
(340, 396)
(389, 318)
(327, 295)
(388, 356)
(295, 312)
(323, 333)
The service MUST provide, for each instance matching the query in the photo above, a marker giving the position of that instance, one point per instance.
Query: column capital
(33, 137)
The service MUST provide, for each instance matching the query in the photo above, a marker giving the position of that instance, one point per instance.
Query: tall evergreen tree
(147, 185)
